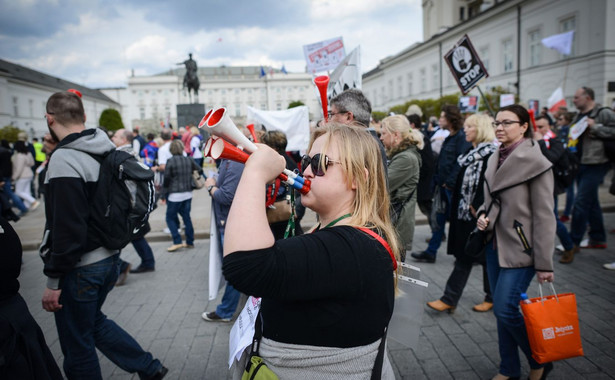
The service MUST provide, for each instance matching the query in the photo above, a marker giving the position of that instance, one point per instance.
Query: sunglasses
(314, 163)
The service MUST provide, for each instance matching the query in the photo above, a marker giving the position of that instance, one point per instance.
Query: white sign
(577, 129)
(346, 75)
(242, 332)
(215, 259)
(324, 55)
(506, 100)
(294, 122)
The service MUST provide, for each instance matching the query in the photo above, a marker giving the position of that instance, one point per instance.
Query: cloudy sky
(98, 42)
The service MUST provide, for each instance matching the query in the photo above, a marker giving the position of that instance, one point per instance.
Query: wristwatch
(209, 189)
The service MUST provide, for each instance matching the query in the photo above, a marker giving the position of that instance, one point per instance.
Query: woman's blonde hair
(409, 136)
(194, 131)
(360, 151)
(484, 129)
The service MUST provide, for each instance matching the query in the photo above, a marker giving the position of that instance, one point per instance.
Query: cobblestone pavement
(162, 310)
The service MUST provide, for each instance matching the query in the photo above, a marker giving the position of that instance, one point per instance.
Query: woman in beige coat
(518, 212)
(22, 174)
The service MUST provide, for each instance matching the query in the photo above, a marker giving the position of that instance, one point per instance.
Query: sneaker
(609, 266)
(167, 230)
(594, 245)
(188, 245)
(34, 206)
(568, 256)
(162, 372)
(213, 317)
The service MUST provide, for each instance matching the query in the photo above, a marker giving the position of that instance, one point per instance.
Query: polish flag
(556, 100)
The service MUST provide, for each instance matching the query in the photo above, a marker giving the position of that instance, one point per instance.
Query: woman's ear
(354, 181)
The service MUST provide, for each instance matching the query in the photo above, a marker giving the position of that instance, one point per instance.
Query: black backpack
(566, 169)
(123, 200)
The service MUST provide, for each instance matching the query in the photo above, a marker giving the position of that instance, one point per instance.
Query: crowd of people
(501, 175)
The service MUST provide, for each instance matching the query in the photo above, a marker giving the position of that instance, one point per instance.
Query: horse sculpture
(191, 79)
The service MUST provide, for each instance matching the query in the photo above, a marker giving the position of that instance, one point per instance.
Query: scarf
(506, 151)
(473, 161)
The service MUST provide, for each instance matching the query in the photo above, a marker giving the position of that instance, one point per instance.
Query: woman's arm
(247, 227)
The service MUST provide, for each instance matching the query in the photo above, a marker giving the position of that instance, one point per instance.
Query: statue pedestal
(188, 114)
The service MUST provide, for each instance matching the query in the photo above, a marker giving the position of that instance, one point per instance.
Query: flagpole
(486, 101)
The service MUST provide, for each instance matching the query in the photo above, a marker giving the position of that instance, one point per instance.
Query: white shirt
(164, 153)
(195, 141)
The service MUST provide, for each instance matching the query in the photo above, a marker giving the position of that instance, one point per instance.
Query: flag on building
(556, 100)
(284, 70)
(262, 72)
(561, 42)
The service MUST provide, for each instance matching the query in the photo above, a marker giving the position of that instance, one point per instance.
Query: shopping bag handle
(542, 300)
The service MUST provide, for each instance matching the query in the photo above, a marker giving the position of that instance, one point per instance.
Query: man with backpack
(594, 166)
(79, 269)
(563, 175)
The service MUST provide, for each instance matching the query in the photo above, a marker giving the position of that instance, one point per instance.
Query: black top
(10, 260)
(331, 288)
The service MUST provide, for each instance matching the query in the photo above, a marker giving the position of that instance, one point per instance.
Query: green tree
(296, 103)
(9, 133)
(379, 115)
(111, 120)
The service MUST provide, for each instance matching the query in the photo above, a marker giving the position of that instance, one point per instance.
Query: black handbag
(477, 240)
(476, 243)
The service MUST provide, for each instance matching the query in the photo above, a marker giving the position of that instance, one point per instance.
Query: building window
(409, 82)
(400, 84)
(237, 109)
(263, 106)
(435, 77)
(483, 54)
(278, 106)
(31, 107)
(535, 47)
(507, 55)
(567, 25)
(423, 79)
(142, 113)
(391, 96)
(462, 13)
(15, 106)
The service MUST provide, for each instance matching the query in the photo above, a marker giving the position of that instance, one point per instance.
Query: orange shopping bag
(552, 325)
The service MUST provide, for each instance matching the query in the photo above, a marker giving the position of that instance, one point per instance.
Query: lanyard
(338, 219)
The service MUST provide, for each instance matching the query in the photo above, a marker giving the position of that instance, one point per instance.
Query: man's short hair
(589, 92)
(354, 101)
(127, 135)
(66, 108)
(166, 134)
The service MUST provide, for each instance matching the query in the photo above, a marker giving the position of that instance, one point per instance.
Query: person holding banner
(402, 144)
(315, 286)
(518, 214)
(222, 191)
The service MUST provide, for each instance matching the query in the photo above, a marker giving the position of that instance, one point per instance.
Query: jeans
(145, 252)
(586, 207)
(441, 218)
(457, 282)
(183, 209)
(22, 189)
(82, 327)
(230, 299)
(16, 200)
(569, 199)
(507, 284)
(562, 231)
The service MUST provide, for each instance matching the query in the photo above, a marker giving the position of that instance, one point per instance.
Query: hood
(92, 141)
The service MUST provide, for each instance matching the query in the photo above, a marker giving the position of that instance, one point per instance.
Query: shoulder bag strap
(377, 370)
(382, 241)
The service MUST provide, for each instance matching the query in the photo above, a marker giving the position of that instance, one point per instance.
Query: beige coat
(523, 219)
(22, 166)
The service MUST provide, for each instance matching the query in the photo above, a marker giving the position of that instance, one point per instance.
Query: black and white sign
(465, 65)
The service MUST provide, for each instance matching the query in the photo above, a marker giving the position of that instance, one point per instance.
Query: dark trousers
(457, 282)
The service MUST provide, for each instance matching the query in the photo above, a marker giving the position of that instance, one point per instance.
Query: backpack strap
(377, 370)
(382, 241)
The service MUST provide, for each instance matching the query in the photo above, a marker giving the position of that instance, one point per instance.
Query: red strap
(383, 242)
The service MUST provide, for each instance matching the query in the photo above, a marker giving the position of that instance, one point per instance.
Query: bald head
(122, 137)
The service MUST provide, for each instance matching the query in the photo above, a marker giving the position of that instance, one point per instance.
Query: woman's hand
(266, 163)
(482, 222)
(544, 277)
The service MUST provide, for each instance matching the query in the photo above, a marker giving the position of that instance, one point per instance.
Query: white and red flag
(556, 100)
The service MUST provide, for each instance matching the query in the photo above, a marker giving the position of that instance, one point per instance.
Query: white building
(507, 37)
(150, 100)
(24, 93)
